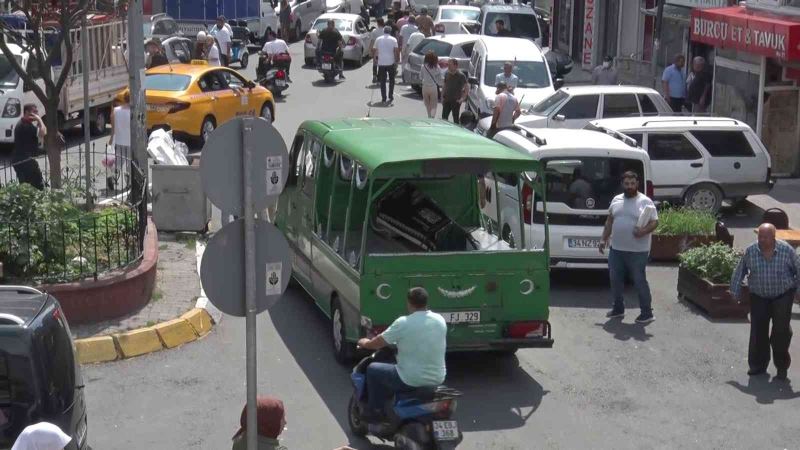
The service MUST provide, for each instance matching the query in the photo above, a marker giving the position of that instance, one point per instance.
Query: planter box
(714, 299)
(667, 248)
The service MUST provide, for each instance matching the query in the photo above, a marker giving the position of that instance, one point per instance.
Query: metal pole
(249, 281)
(87, 136)
(137, 94)
(656, 42)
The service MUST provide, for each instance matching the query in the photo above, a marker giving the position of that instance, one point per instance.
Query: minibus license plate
(462, 316)
(445, 430)
(583, 243)
(326, 66)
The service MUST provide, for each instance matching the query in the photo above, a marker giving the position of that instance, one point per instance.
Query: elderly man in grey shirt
(605, 73)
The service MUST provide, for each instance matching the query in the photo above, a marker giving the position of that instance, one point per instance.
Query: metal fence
(72, 233)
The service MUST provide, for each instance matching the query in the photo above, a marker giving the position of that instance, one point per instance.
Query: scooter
(415, 420)
(274, 77)
(328, 67)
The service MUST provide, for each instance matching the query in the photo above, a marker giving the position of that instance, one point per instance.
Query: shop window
(620, 105)
(297, 158)
(724, 143)
(671, 147)
(580, 107)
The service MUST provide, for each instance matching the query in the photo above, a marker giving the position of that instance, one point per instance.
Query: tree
(60, 17)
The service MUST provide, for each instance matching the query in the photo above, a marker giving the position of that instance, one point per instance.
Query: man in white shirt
(388, 54)
(374, 35)
(630, 245)
(413, 40)
(405, 32)
(276, 46)
(223, 32)
(507, 76)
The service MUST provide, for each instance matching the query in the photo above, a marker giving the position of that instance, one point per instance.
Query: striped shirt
(767, 278)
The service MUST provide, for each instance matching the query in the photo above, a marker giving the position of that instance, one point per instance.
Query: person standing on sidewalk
(223, 33)
(28, 133)
(431, 83)
(388, 53)
(120, 141)
(630, 245)
(455, 90)
(673, 81)
(699, 92)
(605, 73)
(773, 277)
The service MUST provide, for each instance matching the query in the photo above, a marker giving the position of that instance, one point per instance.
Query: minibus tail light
(527, 329)
(527, 203)
(649, 189)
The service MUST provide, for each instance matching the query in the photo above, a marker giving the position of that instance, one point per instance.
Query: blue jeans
(634, 264)
(383, 382)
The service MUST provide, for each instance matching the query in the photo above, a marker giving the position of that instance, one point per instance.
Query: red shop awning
(756, 32)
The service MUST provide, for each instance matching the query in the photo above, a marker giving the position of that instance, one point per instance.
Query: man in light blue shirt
(421, 339)
(673, 81)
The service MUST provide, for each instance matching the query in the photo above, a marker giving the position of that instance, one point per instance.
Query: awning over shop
(756, 32)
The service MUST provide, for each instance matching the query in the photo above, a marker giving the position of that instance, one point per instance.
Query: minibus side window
(296, 160)
(311, 159)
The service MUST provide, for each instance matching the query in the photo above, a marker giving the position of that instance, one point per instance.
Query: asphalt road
(679, 382)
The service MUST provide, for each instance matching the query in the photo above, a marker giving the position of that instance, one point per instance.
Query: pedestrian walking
(773, 276)
(388, 54)
(402, 21)
(405, 33)
(506, 109)
(431, 83)
(425, 22)
(285, 18)
(120, 141)
(28, 133)
(212, 52)
(507, 76)
(42, 436)
(632, 217)
(673, 82)
(454, 92)
(605, 73)
(375, 34)
(223, 34)
(699, 90)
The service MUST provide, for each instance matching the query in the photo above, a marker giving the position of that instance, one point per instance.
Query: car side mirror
(473, 81)
(558, 83)
(559, 118)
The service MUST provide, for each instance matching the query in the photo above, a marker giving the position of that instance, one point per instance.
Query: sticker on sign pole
(273, 278)
(274, 174)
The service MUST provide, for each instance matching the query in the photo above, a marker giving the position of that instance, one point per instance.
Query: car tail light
(649, 189)
(527, 203)
(769, 174)
(443, 408)
(527, 329)
(177, 106)
(352, 41)
(308, 39)
(439, 28)
(327, 58)
(280, 75)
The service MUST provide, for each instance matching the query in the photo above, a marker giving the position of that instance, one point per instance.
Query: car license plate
(326, 66)
(445, 430)
(462, 316)
(280, 83)
(583, 242)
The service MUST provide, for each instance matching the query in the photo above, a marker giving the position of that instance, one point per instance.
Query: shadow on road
(766, 391)
(625, 331)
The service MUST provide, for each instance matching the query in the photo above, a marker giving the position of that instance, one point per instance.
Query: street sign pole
(250, 282)
(86, 110)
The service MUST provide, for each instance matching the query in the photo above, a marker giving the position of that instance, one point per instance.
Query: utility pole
(87, 136)
(137, 94)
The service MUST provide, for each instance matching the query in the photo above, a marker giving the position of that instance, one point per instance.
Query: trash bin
(179, 203)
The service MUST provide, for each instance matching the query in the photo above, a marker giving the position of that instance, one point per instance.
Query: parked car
(486, 62)
(575, 106)
(457, 19)
(582, 175)
(160, 26)
(343, 6)
(40, 378)
(304, 13)
(700, 161)
(520, 20)
(354, 30)
(458, 46)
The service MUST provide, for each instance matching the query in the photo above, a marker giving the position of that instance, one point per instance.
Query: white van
(486, 62)
(583, 172)
(699, 161)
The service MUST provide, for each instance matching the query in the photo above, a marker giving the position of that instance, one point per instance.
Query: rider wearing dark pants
(420, 338)
(331, 41)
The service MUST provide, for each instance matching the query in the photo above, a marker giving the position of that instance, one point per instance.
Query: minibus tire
(345, 351)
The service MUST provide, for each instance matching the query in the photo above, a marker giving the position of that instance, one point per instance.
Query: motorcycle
(415, 420)
(274, 76)
(328, 67)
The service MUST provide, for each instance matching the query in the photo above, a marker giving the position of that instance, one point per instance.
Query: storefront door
(779, 129)
(736, 86)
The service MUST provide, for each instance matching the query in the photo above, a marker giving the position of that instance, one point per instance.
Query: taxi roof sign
(199, 62)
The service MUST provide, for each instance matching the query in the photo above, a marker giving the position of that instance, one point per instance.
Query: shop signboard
(589, 32)
(737, 28)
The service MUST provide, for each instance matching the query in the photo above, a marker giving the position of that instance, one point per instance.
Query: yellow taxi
(194, 99)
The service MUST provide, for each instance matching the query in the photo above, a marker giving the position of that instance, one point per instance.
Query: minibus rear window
(588, 182)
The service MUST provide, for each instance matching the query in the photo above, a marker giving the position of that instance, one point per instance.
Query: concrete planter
(714, 299)
(667, 248)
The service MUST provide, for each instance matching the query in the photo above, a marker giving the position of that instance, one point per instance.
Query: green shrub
(715, 262)
(685, 221)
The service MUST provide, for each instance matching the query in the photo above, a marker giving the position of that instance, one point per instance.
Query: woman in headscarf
(41, 436)
(200, 50)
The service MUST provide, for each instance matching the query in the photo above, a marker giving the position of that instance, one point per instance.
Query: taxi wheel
(266, 112)
(208, 127)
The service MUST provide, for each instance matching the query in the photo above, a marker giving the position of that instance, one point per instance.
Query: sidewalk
(785, 195)
(176, 291)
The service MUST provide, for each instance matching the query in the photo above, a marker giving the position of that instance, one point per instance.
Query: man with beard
(632, 217)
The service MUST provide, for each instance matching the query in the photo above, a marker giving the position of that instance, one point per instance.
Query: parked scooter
(328, 67)
(415, 420)
(274, 76)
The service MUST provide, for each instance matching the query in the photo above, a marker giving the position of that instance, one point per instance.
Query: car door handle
(696, 164)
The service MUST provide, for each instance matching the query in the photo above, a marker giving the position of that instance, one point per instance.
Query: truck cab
(14, 94)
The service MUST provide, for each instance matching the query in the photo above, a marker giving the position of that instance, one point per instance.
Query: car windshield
(460, 14)
(419, 4)
(587, 182)
(167, 82)
(340, 24)
(520, 25)
(441, 48)
(8, 76)
(532, 74)
(546, 106)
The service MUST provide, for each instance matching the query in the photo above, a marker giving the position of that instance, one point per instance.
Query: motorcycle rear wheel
(410, 437)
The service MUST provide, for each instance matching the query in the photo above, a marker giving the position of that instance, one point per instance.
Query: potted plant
(680, 229)
(703, 279)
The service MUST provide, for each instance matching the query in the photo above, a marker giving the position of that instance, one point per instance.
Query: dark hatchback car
(40, 378)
